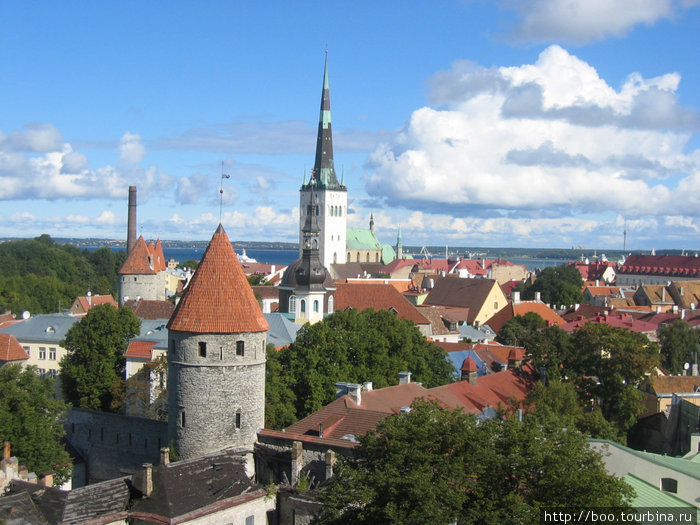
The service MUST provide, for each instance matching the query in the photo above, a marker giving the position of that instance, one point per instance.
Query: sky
(511, 123)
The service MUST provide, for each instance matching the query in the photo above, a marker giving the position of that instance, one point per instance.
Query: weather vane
(221, 190)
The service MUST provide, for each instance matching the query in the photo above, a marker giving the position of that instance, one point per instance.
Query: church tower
(216, 358)
(306, 290)
(330, 203)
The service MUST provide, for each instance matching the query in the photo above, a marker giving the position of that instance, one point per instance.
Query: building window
(330, 304)
(335, 258)
(292, 304)
(340, 211)
(52, 354)
(202, 349)
(357, 258)
(349, 257)
(221, 354)
(238, 419)
(669, 485)
(303, 308)
(367, 257)
(182, 419)
(250, 520)
(316, 306)
(42, 372)
(240, 347)
(42, 352)
(26, 349)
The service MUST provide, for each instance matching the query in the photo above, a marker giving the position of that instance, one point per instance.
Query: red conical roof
(139, 260)
(469, 365)
(218, 299)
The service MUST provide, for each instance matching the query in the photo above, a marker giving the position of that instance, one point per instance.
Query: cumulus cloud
(586, 20)
(34, 138)
(131, 150)
(36, 164)
(547, 140)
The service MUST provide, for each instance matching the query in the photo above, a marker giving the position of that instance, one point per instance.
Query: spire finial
(221, 190)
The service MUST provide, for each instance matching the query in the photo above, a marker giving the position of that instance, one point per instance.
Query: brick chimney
(147, 479)
(404, 378)
(46, 479)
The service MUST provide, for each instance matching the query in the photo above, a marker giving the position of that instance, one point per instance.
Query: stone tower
(216, 358)
(330, 197)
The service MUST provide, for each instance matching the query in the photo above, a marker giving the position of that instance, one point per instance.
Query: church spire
(324, 171)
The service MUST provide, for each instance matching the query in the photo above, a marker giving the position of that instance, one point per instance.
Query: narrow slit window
(202, 349)
(240, 347)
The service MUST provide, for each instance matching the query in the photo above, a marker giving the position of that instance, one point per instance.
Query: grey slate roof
(282, 331)
(42, 328)
(19, 509)
(154, 330)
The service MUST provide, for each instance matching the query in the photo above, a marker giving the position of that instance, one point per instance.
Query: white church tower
(330, 198)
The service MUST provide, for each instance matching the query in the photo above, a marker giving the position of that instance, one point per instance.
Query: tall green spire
(324, 171)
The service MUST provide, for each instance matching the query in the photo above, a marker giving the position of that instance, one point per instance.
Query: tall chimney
(131, 225)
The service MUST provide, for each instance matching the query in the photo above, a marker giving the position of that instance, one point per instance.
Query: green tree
(557, 405)
(557, 285)
(679, 345)
(31, 419)
(355, 347)
(608, 364)
(436, 466)
(94, 361)
(516, 330)
(280, 400)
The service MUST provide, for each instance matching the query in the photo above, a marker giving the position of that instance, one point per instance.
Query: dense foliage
(95, 362)
(42, 276)
(31, 419)
(558, 285)
(353, 347)
(437, 466)
(680, 344)
(606, 365)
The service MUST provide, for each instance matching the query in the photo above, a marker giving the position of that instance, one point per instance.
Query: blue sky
(526, 123)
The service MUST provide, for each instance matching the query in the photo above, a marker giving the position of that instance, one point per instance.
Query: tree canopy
(679, 345)
(435, 466)
(94, 361)
(43, 276)
(348, 346)
(557, 285)
(31, 419)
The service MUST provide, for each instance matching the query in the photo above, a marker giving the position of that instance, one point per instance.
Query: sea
(285, 257)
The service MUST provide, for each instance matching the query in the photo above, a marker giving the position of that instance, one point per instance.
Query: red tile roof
(140, 349)
(521, 308)
(672, 265)
(83, 304)
(10, 349)
(144, 259)
(620, 320)
(376, 296)
(151, 309)
(219, 298)
(469, 365)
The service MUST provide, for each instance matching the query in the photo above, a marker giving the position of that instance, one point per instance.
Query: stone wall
(148, 287)
(216, 397)
(114, 445)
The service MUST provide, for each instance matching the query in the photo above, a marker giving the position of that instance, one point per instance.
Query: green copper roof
(360, 239)
(650, 496)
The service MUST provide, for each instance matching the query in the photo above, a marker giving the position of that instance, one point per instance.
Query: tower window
(240, 347)
(292, 304)
(202, 349)
(238, 419)
(182, 419)
(221, 353)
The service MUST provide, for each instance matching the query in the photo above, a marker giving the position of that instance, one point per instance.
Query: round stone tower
(216, 358)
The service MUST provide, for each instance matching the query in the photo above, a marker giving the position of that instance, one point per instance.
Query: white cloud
(586, 20)
(34, 138)
(541, 141)
(131, 150)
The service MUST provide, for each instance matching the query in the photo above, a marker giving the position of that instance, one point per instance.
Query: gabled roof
(583, 310)
(686, 294)
(439, 317)
(10, 349)
(217, 481)
(219, 298)
(522, 308)
(140, 350)
(378, 297)
(463, 293)
(593, 271)
(151, 309)
(673, 384)
(282, 332)
(84, 303)
(42, 328)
